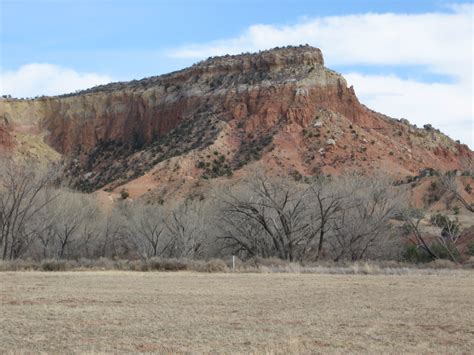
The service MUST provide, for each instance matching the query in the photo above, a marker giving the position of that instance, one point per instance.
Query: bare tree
(187, 228)
(412, 219)
(267, 217)
(451, 185)
(21, 186)
(112, 238)
(363, 224)
(144, 228)
(71, 213)
(90, 230)
(326, 203)
(449, 234)
(43, 225)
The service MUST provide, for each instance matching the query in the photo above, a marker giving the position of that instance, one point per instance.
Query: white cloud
(446, 106)
(440, 43)
(46, 79)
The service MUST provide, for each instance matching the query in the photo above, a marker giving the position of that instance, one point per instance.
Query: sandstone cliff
(279, 110)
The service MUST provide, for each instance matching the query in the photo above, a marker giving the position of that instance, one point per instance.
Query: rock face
(276, 109)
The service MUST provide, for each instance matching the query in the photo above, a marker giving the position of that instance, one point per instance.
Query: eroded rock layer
(279, 110)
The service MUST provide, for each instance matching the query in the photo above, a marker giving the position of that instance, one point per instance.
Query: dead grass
(117, 311)
(271, 265)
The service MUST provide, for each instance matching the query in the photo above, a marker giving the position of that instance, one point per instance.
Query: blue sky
(403, 57)
(126, 39)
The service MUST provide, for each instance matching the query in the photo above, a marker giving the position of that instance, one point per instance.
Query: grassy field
(115, 311)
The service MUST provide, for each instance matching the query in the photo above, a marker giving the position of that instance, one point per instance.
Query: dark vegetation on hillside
(116, 162)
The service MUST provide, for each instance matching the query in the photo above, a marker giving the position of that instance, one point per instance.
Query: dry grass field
(115, 311)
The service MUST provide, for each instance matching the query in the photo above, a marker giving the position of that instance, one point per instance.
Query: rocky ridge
(280, 111)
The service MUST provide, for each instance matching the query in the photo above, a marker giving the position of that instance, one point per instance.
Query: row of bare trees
(344, 218)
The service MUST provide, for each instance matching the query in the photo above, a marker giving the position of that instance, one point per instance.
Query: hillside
(280, 111)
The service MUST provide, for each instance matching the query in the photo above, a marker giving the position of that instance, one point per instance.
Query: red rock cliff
(284, 93)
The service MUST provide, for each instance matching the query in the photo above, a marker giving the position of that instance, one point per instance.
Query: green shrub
(417, 255)
(442, 252)
(434, 193)
(468, 188)
(201, 164)
(470, 249)
(124, 194)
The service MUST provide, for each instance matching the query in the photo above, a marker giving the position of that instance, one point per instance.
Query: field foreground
(115, 311)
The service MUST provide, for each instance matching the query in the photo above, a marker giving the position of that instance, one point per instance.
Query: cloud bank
(438, 43)
(46, 79)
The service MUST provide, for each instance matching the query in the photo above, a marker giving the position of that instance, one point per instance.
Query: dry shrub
(213, 265)
(18, 265)
(469, 263)
(107, 264)
(441, 264)
(158, 264)
(267, 262)
(365, 268)
(256, 265)
(53, 265)
(138, 265)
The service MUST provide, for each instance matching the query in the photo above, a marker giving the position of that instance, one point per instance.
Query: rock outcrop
(277, 109)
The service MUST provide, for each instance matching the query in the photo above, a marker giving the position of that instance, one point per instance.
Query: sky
(405, 58)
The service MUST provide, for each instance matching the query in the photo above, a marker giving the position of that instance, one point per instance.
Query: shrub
(158, 264)
(442, 252)
(468, 188)
(53, 265)
(268, 262)
(442, 264)
(447, 225)
(18, 265)
(214, 265)
(470, 249)
(434, 193)
(124, 194)
(416, 255)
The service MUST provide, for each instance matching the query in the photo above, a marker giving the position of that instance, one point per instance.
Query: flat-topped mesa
(244, 64)
(282, 98)
(263, 60)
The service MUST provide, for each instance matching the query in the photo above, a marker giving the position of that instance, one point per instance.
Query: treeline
(351, 217)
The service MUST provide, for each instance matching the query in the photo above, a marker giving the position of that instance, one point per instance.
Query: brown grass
(117, 311)
(271, 265)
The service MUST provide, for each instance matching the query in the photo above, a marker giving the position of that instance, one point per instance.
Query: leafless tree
(412, 219)
(451, 184)
(326, 201)
(113, 235)
(21, 186)
(449, 234)
(71, 213)
(267, 217)
(144, 226)
(363, 224)
(187, 228)
(90, 230)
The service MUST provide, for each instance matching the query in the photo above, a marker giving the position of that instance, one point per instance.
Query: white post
(233, 262)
